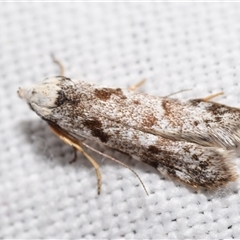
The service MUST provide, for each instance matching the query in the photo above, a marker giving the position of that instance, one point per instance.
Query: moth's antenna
(59, 63)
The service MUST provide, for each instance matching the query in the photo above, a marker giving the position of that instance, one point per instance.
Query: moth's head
(45, 96)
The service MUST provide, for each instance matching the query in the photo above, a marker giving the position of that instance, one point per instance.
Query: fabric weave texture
(174, 46)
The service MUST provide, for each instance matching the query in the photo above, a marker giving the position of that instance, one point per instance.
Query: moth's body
(189, 140)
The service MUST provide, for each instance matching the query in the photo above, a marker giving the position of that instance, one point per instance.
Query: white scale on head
(43, 96)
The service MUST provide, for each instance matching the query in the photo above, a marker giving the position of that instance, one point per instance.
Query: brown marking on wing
(93, 123)
(136, 102)
(96, 129)
(165, 105)
(105, 93)
(217, 109)
(150, 156)
(153, 149)
(151, 163)
(104, 137)
(149, 121)
(195, 102)
(174, 112)
(196, 123)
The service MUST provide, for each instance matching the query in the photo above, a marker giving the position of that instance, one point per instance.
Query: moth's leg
(204, 99)
(212, 96)
(137, 85)
(70, 140)
(61, 67)
(75, 155)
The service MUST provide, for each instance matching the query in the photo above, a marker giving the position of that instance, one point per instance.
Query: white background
(175, 46)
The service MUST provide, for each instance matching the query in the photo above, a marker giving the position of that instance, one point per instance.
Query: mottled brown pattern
(213, 107)
(105, 93)
(217, 109)
(149, 121)
(209, 173)
(71, 95)
(153, 157)
(74, 111)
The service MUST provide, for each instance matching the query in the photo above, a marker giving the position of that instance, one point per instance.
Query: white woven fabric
(175, 46)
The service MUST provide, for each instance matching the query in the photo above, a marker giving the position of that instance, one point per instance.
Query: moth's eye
(60, 98)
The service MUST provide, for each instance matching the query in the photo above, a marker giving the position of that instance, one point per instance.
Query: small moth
(192, 141)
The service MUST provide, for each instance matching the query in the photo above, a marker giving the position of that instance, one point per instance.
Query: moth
(193, 141)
